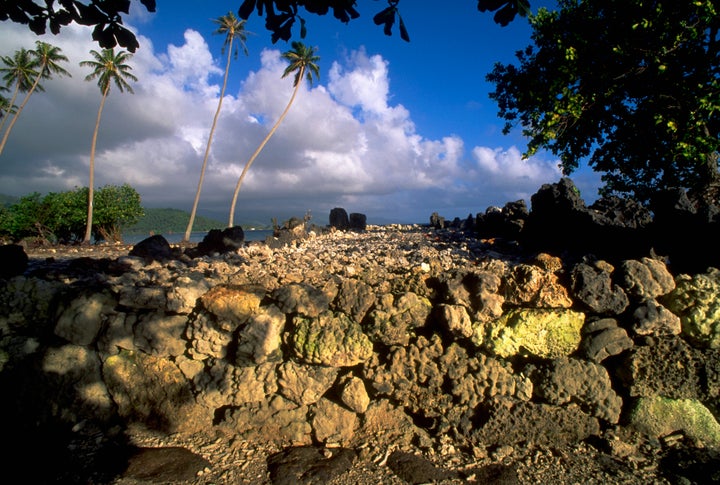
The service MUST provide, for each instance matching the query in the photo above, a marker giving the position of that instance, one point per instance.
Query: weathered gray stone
(455, 319)
(259, 340)
(161, 334)
(333, 423)
(651, 318)
(646, 279)
(227, 385)
(567, 380)
(82, 318)
(603, 338)
(395, 318)
(302, 299)
(355, 298)
(275, 420)
(354, 395)
(593, 286)
(305, 384)
(511, 422)
(152, 390)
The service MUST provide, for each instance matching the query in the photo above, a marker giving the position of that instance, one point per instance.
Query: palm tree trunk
(257, 152)
(91, 182)
(19, 110)
(12, 103)
(186, 238)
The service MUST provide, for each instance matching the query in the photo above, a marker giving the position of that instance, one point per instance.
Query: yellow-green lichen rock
(696, 300)
(660, 416)
(547, 333)
(330, 339)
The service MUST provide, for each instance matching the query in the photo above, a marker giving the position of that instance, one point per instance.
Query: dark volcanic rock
(593, 286)
(339, 218)
(506, 422)
(670, 367)
(416, 469)
(560, 222)
(506, 223)
(164, 465)
(309, 465)
(219, 241)
(603, 338)
(154, 248)
(13, 260)
(358, 222)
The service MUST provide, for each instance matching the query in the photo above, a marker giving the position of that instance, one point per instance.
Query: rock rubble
(401, 336)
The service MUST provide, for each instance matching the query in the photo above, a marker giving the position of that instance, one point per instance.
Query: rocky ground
(396, 451)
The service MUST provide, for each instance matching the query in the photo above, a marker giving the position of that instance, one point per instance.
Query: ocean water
(195, 237)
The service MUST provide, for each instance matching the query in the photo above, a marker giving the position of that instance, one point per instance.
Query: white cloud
(342, 143)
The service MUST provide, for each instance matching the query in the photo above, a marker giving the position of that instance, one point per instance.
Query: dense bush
(61, 217)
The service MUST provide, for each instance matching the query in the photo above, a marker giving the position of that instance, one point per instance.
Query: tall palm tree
(302, 61)
(46, 59)
(232, 28)
(19, 70)
(107, 67)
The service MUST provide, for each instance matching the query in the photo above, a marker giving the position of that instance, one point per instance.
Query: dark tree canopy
(280, 15)
(631, 86)
(104, 15)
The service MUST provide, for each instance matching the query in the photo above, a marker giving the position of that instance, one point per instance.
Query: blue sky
(392, 129)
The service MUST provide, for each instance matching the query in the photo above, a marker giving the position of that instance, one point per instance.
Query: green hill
(7, 200)
(165, 221)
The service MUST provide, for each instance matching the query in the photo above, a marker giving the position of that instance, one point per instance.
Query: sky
(391, 129)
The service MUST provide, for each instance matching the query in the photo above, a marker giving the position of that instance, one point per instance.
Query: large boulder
(560, 222)
(13, 260)
(687, 235)
(566, 380)
(219, 241)
(153, 248)
(339, 218)
(659, 416)
(593, 286)
(696, 299)
(546, 333)
(330, 339)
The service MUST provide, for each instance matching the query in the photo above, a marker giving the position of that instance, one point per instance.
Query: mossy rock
(331, 339)
(696, 300)
(660, 416)
(546, 333)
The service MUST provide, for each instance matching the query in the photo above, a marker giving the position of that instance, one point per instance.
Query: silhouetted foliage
(104, 15)
(280, 15)
(631, 86)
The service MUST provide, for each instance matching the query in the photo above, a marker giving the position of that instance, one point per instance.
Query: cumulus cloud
(343, 142)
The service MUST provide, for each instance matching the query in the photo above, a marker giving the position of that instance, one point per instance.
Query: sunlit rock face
(419, 332)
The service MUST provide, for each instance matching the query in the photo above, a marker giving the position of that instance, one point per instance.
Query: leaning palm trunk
(10, 107)
(18, 111)
(91, 182)
(186, 238)
(259, 149)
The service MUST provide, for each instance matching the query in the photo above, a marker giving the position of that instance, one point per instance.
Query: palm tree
(302, 61)
(107, 67)
(233, 29)
(19, 71)
(46, 59)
